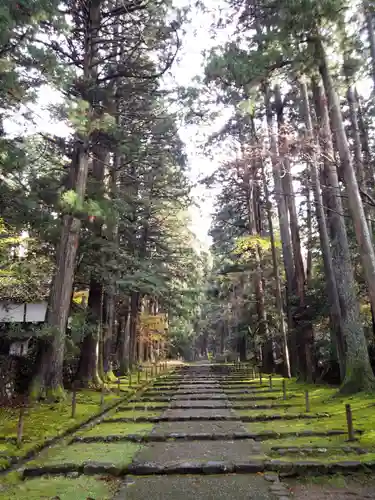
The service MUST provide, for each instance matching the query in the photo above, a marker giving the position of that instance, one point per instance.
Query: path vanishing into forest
(213, 440)
(206, 432)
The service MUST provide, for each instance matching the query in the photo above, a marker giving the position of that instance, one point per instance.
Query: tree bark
(332, 293)
(258, 282)
(369, 17)
(305, 336)
(284, 225)
(88, 373)
(358, 372)
(49, 381)
(276, 273)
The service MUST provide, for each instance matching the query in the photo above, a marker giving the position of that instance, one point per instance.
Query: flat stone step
(196, 467)
(166, 399)
(167, 436)
(214, 418)
(149, 468)
(182, 418)
(255, 397)
(189, 487)
(205, 391)
(222, 428)
(318, 450)
(247, 406)
(205, 436)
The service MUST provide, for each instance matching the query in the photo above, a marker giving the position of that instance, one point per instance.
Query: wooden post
(20, 426)
(139, 376)
(118, 387)
(74, 402)
(102, 396)
(130, 378)
(146, 373)
(307, 401)
(270, 379)
(349, 421)
(260, 377)
(284, 389)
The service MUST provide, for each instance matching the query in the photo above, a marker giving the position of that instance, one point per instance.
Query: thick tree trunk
(354, 198)
(276, 273)
(108, 331)
(124, 345)
(369, 16)
(358, 372)
(333, 297)
(258, 273)
(284, 226)
(49, 380)
(309, 260)
(133, 327)
(305, 336)
(88, 373)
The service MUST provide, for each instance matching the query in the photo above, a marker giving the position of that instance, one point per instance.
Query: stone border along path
(197, 439)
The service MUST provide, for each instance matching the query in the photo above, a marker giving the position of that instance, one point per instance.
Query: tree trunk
(358, 372)
(124, 346)
(49, 380)
(133, 327)
(369, 16)
(333, 297)
(108, 331)
(309, 260)
(88, 374)
(258, 282)
(305, 337)
(284, 225)
(276, 273)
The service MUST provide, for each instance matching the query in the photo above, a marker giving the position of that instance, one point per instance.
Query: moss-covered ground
(134, 414)
(329, 406)
(79, 453)
(44, 421)
(117, 429)
(64, 488)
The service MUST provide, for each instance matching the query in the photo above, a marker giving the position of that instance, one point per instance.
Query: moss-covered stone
(64, 488)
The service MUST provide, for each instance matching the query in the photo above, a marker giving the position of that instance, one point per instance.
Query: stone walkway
(170, 462)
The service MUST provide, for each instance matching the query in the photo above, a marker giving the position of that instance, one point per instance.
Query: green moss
(118, 429)
(43, 421)
(4, 462)
(305, 442)
(134, 414)
(64, 488)
(323, 399)
(330, 458)
(78, 453)
(276, 411)
(139, 404)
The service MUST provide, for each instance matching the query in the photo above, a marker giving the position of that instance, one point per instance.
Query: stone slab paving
(190, 412)
(168, 454)
(225, 487)
(201, 402)
(199, 452)
(196, 427)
